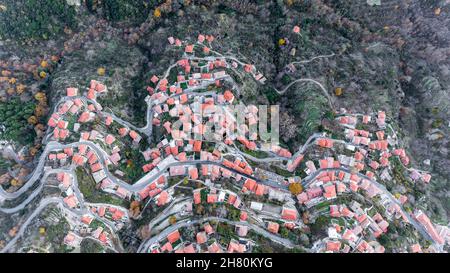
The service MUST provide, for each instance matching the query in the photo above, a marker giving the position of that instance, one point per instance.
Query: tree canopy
(14, 121)
(295, 188)
(36, 19)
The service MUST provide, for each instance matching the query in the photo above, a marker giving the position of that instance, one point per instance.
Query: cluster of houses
(74, 240)
(184, 152)
(377, 146)
(205, 242)
(117, 216)
(196, 74)
(114, 215)
(83, 155)
(440, 234)
(65, 180)
(217, 196)
(359, 225)
(75, 110)
(366, 160)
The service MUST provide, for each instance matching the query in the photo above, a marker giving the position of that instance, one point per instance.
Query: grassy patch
(280, 171)
(90, 246)
(226, 233)
(87, 187)
(132, 165)
(55, 235)
(257, 154)
(322, 205)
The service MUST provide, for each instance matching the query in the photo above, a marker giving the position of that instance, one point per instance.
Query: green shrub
(37, 19)
(13, 121)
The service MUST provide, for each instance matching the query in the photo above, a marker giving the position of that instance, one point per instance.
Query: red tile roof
(173, 236)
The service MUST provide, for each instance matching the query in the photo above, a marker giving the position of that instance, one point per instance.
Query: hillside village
(234, 192)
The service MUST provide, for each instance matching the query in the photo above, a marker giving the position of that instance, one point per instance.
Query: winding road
(184, 223)
(147, 130)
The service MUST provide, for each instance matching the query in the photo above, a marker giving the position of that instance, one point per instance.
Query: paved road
(44, 203)
(140, 186)
(322, 88)
(312, 59)
(102, 158)
(33, 194)
(147, 130)
(164, 214)
(311, 178)
(35, 174)
(145, 245)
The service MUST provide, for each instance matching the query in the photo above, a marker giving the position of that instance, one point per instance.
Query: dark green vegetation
(4, 165)
(377, 68)
(90, 246)
(233, 213)
(319, 226)
(271, 94)
(264, 245)
(254, 153)
(132, 166)
(38, 19)
(311, 106)
(87, 187)
(13, 121)
(226, 233)
(135, 11)
(55, 233)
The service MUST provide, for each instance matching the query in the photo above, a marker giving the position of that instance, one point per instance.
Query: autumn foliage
(295, 188)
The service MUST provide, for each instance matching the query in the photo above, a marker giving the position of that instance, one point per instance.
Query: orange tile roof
(333, 246)
(289, 214)
(201, 237)
(173, 236)
(273, 227)
(228, 95)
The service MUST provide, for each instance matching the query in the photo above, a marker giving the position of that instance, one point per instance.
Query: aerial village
(234, 192)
